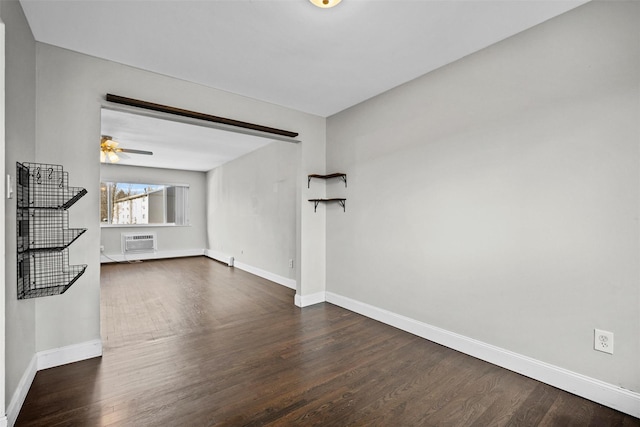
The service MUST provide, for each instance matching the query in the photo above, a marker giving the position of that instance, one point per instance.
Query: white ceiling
(175, 145)
(287, 52)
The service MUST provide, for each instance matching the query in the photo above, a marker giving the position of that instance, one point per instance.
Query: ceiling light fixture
(325, 4)
(108, 150)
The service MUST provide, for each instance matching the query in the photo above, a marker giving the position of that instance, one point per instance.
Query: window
(143, 204)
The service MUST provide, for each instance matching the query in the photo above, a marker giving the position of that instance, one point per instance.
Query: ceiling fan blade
(130, 150)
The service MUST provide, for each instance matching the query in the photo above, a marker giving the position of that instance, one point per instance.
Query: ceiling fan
(109, 150)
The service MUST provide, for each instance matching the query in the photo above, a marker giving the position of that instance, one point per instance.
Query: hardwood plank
(535, 406)
(192, 342)
(515, 389)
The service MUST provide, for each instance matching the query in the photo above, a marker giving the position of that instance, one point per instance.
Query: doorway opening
(240, 196)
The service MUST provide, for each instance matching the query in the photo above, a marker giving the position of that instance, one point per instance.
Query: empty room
(320, 212)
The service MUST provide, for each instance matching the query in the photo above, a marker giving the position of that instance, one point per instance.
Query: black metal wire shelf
(48, 187)
(45, 230)
(43, 233)
(63, 201)
(53, 242)
(46, 274)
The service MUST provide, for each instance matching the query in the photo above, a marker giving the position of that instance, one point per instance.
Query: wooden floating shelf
(316, 202)
(342, 176)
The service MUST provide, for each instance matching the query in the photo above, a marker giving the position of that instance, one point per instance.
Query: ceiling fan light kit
(113, 157)
(109, 150)
(325, 4)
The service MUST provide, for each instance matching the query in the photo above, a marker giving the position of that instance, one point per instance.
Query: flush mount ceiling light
(325, 4)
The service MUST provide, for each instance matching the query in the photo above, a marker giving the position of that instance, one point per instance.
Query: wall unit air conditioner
(135, 243)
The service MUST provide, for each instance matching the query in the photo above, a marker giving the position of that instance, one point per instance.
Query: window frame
(164, 185)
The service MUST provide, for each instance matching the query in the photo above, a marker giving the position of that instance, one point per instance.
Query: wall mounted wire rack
(43, 234)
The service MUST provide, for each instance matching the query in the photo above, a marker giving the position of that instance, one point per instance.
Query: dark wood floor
(191, 342)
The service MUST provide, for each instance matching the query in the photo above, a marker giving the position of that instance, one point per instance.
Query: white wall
(498, 197)
(251, 208)
(71, 89)
(170, 239)
(2, 233)
(70, 93)
(20, 116)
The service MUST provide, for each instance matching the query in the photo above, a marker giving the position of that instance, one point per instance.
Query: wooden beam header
(195, 115)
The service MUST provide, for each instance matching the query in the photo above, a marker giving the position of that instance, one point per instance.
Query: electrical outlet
(290, 263)
(603, 341)
(101, 248)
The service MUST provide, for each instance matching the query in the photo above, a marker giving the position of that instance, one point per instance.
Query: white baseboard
(229, 260)
(219, 256)
(21, 391)
(284, 281)
(69, 354)
(590, 388)
(49, 359)
(107, 258)
(307, 300)
(3, 421)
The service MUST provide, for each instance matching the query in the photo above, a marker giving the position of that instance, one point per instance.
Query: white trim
(590, 388)
(69, 354)
(44, 360)
(229, 260)
(311, 299)
(146, 256)
(284, 281)
(219, 256)
(20, 394)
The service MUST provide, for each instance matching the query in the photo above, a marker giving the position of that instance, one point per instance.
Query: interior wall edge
(311, 299)
(219, 256)
(44, 360)
(593, 389)
(284, 281)
(20, 392)
(68, 354)
(227, 259)
(215, 255)
(3, 418)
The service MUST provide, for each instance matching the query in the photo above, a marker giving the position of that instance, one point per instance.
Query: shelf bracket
(341, 202)
(342, 176)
